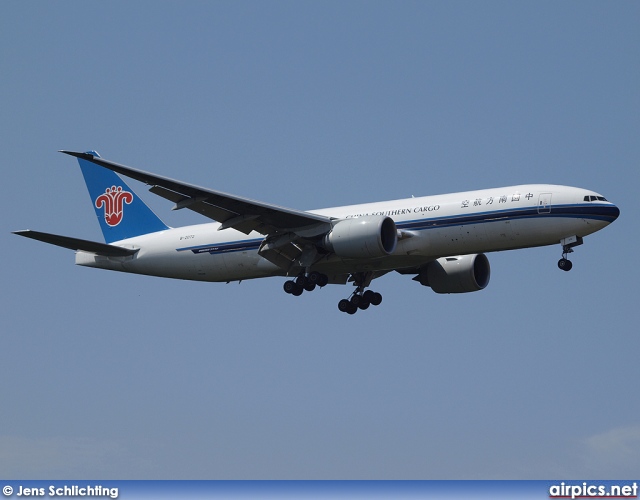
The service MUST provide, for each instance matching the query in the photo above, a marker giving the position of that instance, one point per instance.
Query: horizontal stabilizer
(77, 244)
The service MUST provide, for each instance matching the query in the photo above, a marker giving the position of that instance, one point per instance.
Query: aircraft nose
(606, 212)
(609, 212)
(615, 212)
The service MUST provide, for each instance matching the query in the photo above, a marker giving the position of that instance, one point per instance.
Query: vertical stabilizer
(121, 213)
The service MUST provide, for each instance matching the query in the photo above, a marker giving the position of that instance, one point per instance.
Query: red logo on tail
(113, 201)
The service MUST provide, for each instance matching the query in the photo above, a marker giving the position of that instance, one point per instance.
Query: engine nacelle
(460, 274)
(365, 237)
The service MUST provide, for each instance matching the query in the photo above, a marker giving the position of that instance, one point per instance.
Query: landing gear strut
(567, 248)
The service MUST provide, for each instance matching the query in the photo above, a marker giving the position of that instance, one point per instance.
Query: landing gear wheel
(363, 303)
(565, 264)
(293, 288)
(346, 306)
(318, 278)
(289, 286)
(375, 299)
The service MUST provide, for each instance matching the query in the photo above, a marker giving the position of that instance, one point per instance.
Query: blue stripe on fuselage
(606, 213)
(232, 246)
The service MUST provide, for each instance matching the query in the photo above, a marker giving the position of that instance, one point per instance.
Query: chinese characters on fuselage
(490, 200)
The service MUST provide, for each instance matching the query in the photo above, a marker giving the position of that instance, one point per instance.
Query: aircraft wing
(242, 214)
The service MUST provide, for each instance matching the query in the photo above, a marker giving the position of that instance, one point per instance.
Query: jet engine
(460, 274)
(365, 237)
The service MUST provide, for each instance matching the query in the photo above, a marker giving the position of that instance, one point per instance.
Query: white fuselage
(429, 227)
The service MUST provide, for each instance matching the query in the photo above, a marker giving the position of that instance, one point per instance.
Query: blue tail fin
(122, 214)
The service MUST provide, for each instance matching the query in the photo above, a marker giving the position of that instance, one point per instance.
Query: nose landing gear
(567, 248)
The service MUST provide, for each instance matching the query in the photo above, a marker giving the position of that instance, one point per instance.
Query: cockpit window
(594, 198)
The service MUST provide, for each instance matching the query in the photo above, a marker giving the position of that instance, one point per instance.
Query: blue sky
(311, 105)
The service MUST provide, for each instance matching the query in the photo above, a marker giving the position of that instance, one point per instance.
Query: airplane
(439, 240)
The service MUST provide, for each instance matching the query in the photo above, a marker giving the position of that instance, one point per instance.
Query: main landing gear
(305, 282)
(360, 300)
(567, 248)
